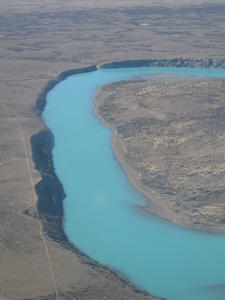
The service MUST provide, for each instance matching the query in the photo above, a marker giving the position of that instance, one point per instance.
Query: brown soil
(169, 137)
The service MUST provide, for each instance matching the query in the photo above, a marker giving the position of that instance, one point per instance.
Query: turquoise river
(100, 216)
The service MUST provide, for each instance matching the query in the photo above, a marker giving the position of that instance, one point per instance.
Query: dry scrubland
(170, 137)
(38, 41)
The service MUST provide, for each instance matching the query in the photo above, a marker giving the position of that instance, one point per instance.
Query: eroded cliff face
(171, 135)
(215, 62)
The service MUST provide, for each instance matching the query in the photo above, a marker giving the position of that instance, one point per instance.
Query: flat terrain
(39, 40)
(170, 138)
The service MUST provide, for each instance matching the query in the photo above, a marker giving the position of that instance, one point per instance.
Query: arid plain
(169, 137)
(39, 40)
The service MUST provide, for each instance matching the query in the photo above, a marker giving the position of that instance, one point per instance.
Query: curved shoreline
(51, 213)
(152, 208)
